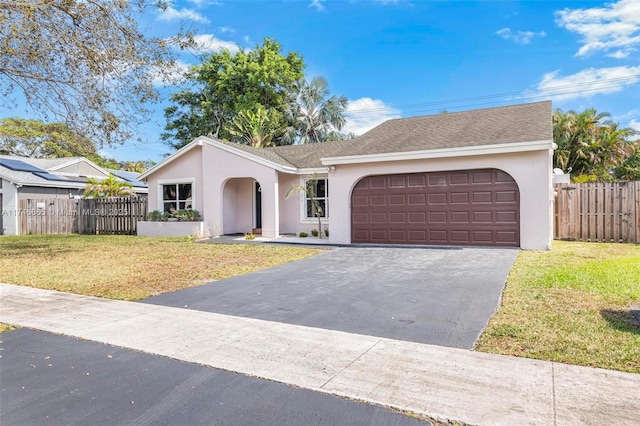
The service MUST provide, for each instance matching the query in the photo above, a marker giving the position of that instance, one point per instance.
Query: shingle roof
(45, 164)
(489, 126)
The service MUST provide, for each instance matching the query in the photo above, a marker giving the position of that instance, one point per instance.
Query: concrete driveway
(441, 296)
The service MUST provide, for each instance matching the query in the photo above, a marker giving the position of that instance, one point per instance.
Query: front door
(258, 206)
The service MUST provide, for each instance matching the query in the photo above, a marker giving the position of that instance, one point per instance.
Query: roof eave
(441, 153)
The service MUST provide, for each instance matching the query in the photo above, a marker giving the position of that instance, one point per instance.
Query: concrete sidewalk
(442, 383)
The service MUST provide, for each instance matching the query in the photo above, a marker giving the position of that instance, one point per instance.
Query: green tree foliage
(630, 168)
(33, 138)
(589, 143)
(259, 128)
(84, 62)
(312, 116)
(109, 187)
(227, 83)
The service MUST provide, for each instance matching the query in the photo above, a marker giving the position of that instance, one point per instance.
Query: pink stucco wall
(531, 171)
(186, 168)
(290, 215)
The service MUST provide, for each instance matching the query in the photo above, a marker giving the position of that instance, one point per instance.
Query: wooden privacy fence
(598, 212)
(117, 215)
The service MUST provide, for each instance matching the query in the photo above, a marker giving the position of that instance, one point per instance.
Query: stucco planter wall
(171, 229)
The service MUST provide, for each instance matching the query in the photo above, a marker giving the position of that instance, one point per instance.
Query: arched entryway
(241, 206)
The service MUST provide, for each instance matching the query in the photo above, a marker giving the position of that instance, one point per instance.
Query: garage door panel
(459, 217)
(458, 198)
(506, 197)
(418, 217)
(459, 178)
(416, 181)
(417, 199)
(479, 207)
(437, 179)
(437, 217)
(438, 198)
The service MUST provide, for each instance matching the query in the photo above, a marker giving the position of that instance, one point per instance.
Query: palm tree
(109, 187)
(257, 128)
(310, 191)
(312, 117)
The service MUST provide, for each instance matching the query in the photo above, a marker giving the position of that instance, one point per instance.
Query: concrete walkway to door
(443, 383)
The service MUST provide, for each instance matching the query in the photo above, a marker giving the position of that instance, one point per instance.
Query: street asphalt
(442, 296)
(48, 379)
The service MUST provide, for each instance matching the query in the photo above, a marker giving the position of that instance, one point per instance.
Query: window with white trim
(177, 196)
(321, 194)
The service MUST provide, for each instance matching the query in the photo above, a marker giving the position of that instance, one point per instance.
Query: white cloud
(520, 37)
(317, 4)
(207, 43)
(588, 82)
(613, 29)
(172, 14)
(365, 113)
(170, 76)
(202, 3)
(634, 124)
(226, 30)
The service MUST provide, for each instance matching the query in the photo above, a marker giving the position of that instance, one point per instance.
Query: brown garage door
(470, 207)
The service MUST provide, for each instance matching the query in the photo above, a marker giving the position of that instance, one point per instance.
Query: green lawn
(129, 267)
(571, 305)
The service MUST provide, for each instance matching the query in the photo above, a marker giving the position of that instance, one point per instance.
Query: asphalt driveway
(441, 296)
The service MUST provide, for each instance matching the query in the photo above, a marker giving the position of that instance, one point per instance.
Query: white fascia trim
(251, 157)
(53, 185)
(441, 153)
(314, 170)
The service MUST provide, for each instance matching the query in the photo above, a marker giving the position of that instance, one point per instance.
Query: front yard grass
(571, 305)
(129, 267)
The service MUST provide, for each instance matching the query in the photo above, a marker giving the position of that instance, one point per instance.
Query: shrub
(154, 216)
(314, 232)
(181, 215)
(249, 236)
(326, 232)
(303, 234)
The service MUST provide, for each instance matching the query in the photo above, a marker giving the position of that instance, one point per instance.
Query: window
(176, 197)
(320, 193)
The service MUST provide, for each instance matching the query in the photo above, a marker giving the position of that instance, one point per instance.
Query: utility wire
(523, 94)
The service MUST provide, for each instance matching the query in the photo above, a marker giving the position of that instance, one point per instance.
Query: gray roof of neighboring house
(131, 177)
(28, 178)
(489, 126)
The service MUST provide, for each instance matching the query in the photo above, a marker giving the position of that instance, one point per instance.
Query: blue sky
(406, 58)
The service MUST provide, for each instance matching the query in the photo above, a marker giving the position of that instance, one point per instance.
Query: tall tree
(227, 83)
(589, 143)
(84, 62)
(33, 138)
(312, 116)
(259, 128)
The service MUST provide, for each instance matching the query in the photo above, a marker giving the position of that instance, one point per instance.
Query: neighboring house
(475, 178)
(46, 178)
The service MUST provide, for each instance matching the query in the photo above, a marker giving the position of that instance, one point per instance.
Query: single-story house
(472, 178)
(47, 178)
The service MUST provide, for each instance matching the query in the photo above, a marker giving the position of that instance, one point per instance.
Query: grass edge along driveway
(571, 305)
(130, 267)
